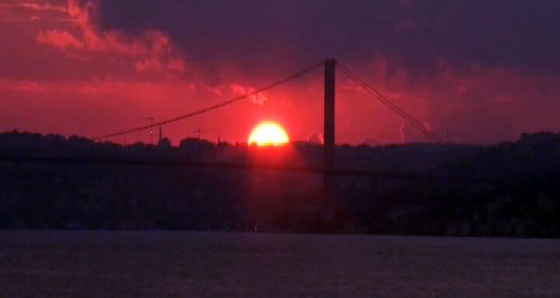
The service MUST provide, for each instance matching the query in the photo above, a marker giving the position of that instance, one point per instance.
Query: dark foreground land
(183, 264)
(57, 183)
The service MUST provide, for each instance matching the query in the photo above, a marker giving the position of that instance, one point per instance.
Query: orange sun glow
(268, 133)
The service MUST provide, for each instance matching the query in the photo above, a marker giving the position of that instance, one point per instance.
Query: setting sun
(268, 133)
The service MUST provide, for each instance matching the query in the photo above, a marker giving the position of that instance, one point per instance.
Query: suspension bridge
(330, 67)
(328, 169)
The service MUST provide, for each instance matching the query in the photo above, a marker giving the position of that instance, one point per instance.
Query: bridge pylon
(329, 204)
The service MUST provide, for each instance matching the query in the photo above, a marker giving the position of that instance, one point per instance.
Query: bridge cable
(213, 107)
(387, 102)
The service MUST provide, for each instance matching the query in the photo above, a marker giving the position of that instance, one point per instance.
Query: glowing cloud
(151, 52)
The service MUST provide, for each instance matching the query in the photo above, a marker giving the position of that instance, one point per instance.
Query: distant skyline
(472, 70)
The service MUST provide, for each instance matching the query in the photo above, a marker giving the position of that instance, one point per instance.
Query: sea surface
(192, 264)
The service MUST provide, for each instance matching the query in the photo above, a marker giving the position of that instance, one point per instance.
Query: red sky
(473, 71)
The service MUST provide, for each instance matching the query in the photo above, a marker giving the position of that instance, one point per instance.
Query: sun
(268, 133)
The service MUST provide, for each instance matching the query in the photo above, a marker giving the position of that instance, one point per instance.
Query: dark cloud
(414, 34)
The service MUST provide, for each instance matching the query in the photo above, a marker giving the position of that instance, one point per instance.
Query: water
(186, 264)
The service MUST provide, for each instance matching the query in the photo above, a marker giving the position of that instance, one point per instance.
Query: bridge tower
(328, 207)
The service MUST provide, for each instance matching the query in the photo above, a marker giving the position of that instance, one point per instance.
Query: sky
(472, 71)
